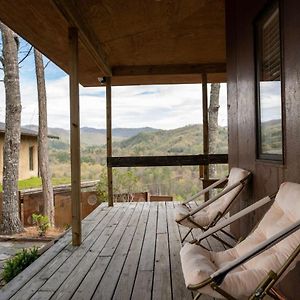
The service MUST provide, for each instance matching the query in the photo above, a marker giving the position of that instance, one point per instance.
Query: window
(268, 86)
(31, 151)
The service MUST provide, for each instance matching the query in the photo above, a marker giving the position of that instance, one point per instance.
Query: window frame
(31, 158)
(258, 23)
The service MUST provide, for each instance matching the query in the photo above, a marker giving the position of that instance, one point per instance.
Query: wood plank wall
(267, 176)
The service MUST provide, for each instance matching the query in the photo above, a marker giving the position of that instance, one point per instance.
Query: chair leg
(274, 295)
(198, 295)
(183, 239)
(221, 240)
(199, 244)
(229, 234)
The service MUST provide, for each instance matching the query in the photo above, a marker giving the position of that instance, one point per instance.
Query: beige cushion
(242, 281)
(201, 217)
(205, 216)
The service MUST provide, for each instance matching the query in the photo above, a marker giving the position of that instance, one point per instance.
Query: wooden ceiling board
(39, 22)
(131, 33)
(158, 32)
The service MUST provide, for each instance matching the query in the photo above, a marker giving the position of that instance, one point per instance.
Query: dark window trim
(264, 15)
(31, 158)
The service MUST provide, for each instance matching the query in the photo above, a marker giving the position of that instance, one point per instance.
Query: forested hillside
(177, 181)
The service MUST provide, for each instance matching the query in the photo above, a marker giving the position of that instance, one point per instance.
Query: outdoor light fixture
(102, 80)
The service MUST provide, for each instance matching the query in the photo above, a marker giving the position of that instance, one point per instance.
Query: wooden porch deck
(130, 251)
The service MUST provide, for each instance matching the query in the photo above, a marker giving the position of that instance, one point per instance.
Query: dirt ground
(31, 232)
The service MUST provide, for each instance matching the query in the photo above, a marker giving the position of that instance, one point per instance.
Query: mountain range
(94, 136)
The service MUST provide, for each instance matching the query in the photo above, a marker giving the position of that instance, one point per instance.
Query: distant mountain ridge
(94, 136)
(120, 132)
(179, 141)
(148, 141)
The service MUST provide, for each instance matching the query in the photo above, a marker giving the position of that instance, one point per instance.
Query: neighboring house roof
(26, 132)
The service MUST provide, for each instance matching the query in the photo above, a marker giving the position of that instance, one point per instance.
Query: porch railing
(159, 161)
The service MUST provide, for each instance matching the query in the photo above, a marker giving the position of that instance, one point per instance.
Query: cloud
(160, 106)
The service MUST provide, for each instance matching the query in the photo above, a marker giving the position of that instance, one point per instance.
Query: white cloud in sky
(270, 100)
(160, 106)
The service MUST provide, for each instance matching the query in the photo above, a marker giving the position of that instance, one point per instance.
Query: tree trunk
(44, 168)
(10, 210)
(213, 123)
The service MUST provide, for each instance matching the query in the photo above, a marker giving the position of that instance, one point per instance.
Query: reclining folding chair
(255, 265)
(207, 214)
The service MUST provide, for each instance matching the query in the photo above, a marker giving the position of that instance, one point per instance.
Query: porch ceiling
(138, 42)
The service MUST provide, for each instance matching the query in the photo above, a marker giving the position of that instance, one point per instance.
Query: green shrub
(42, 223)
(18, 263)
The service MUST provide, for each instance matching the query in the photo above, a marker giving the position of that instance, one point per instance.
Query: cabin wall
(267, 176)
(24, 171)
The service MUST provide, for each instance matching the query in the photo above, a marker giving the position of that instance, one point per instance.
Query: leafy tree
(125, 183)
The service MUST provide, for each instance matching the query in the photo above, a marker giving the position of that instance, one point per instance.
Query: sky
(159, 106)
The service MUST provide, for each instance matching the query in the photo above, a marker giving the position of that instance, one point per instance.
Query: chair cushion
(205, 216)
(200, 217)
(242, 281)
(198, 264)
(220, 205)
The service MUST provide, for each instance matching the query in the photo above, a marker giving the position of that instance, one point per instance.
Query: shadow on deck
(130, 251)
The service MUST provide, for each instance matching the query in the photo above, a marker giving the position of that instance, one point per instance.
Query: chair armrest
(204, 191)
(220, 275)
(213, 199)
(235, 217)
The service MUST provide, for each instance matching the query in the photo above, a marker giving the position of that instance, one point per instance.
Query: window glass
(31, 158)
(269, 87)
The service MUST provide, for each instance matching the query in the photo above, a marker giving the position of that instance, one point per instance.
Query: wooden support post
(205, 126)
(109, 141)
(75, 137)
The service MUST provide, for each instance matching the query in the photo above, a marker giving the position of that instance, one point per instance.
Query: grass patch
(30, 183)
(36, 182)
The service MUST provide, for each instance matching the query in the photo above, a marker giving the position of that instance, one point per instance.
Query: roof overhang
(135, 42)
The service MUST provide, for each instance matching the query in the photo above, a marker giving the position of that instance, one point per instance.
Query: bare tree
(44, 168)
(10, 210)
(213, 123)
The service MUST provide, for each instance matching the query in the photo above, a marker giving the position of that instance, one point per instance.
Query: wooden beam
(109, 141)
(176, 160)
(205, 127)
(88, 38)
(75, 137)
(168, 69)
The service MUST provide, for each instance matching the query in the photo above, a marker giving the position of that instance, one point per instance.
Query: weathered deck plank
(143, 284)
(55, 281)
(18, 282)
(162, 288)
(89, 284)
(105, 289)
(128, 275)
(68, 288)
(130, 251)
(179, 290)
